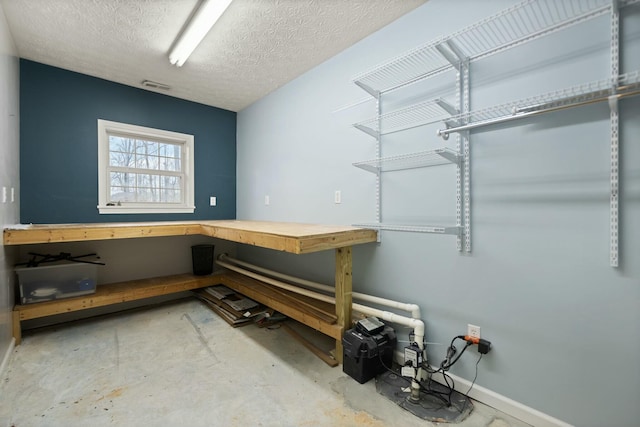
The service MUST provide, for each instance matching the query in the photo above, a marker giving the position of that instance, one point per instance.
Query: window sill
(144, 210)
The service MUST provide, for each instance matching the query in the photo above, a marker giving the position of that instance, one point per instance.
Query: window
(144, 170)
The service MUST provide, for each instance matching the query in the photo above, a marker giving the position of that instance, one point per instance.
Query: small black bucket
(202, 256)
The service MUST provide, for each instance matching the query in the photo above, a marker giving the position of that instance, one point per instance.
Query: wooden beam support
(17, 332)
(308, 344)
(344, 272)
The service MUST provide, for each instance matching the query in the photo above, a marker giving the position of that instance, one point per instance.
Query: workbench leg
(17, 331)
(343, 293)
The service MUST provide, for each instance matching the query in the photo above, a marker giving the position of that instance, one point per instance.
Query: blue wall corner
(59, 110)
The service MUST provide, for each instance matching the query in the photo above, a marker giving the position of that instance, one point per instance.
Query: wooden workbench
(288, 237)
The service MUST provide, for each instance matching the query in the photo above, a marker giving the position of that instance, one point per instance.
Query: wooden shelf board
(115, 293)
(296, 238)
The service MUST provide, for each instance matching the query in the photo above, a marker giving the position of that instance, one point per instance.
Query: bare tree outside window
(144, 171)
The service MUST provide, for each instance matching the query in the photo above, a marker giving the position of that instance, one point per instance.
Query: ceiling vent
(155, 85)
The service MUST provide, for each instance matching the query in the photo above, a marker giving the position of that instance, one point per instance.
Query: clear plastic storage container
(54, 281)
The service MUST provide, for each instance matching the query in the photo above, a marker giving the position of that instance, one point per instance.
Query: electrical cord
(407, 380)
(475, 377)
(451, 351)
(424, 390)
(445, 365)
(384, 365)
(427, 390)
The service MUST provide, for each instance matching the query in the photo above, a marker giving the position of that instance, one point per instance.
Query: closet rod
(527, 112)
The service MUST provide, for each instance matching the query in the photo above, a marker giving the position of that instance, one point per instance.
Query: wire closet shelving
(512, 27)
(625, 85)
(439, 156)
(423, 113)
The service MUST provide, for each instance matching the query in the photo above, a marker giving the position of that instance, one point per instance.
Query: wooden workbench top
(296, 238)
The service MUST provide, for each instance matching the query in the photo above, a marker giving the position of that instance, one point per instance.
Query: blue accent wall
(59, 112)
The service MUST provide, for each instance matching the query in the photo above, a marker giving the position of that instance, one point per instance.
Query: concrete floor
(179, 364)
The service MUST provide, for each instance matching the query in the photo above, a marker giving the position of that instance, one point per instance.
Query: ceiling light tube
(198, 27)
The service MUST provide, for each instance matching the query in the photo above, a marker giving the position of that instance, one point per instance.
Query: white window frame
(105, 128)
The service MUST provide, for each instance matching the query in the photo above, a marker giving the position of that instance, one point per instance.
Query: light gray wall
(9, 172)
(563, 323)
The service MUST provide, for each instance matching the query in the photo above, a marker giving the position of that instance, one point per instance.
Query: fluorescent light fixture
(155, 85)
(198, 27)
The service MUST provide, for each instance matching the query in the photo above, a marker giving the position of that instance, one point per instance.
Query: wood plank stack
(317, 314)
(234, 308)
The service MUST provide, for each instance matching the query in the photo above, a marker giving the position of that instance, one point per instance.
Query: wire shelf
(421, 159)
(435, 229)
(624, 3)
(519, 24)
(626, 85)
(424, 113)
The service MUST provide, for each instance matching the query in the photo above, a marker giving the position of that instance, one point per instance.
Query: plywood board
(296, 238)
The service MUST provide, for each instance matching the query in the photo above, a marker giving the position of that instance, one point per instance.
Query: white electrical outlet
(337, 197)
(473, 331)
(212, 201)
(266, 200)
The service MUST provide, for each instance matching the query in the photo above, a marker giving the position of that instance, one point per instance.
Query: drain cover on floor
(432, 406)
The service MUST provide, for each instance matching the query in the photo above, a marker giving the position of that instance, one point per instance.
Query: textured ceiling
(256, 47)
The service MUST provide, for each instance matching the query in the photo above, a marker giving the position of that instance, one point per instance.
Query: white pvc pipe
(309, 283)
(414, 309)
(418, 331)
(292, 288)
(416, 324)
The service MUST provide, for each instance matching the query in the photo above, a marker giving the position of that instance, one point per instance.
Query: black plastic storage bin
(202, 257)
(365, 356)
